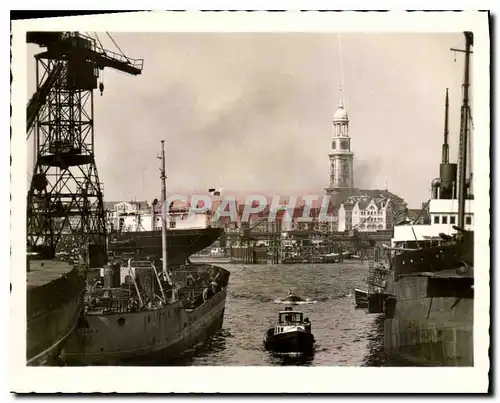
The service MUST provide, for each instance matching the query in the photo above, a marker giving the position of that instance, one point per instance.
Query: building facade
(365, 213)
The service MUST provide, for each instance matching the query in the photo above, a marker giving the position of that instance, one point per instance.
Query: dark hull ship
(430, 316)
(432, 320)
(181, 243)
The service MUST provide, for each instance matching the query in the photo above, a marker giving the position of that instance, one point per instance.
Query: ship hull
(147, 336)
(54, 304)
(294, 341)
(432, 323)
(64, 320)
(180, 243)
(430, 319)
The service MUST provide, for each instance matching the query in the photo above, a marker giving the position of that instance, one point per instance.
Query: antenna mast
(341, 72)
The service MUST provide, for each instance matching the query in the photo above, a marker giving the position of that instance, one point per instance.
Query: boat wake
(288, 302)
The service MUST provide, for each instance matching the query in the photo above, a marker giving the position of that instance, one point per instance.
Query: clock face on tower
(344, 145)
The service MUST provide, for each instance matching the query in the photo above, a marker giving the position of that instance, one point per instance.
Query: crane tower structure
(65, 196)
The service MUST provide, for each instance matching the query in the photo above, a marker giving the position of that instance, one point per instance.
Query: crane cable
(98, 40)
(101, 73)
(123, 54)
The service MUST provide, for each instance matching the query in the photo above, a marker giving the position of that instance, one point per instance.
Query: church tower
(341, 156)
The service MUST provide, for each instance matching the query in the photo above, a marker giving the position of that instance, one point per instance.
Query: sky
(252, 112)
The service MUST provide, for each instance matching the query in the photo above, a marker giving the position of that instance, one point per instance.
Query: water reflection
(211, 346)
(284, 359)
(375, 355)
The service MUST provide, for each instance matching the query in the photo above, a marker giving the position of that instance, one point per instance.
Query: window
(172, 224)
(436, 219)
(468, 220)
(452, 219)
(444, 219)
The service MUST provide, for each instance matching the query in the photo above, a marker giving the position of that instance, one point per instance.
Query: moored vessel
(54, 302)
(430, 319)
(181, 243)
(146, 320)
(154, 314)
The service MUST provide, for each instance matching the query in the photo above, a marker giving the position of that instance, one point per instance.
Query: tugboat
(292, 333)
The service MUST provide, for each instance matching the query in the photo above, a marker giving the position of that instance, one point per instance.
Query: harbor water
(345, 336)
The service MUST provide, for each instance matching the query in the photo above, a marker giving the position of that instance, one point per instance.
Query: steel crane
(65, 197)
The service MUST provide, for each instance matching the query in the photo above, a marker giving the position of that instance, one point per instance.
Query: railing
(101, 307)
(110, 307)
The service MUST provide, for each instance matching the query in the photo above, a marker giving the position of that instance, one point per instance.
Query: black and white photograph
(226, 192)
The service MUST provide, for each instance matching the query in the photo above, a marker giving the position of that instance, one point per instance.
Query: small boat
(361, 298)
(292, 333)
(347, 255)
(292, 298)
(331, 257)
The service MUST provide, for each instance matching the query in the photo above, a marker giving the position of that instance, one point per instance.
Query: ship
(152, 315)
(147, 319)
(429, 319)
(136, 231)
(292, 333)
(139, 234)
(181, 243)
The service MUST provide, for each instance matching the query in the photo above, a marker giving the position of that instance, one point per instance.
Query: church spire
(341, 105)
(340, 156)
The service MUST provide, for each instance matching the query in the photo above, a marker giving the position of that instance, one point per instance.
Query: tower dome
(340, 114)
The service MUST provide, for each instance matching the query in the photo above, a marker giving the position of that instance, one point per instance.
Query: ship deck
(43, 272)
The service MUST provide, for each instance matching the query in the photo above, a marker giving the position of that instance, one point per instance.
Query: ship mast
(164, 208)
(464, 132)
(445, 149)
(164, 212)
